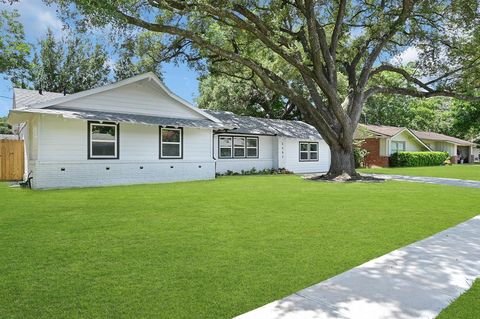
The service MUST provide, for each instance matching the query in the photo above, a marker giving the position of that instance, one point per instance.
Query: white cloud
(409, 55)
(36, 18)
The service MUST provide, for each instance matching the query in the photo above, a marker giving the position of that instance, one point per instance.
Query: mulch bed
(344, 178)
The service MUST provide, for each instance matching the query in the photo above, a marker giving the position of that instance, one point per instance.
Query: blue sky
(37, 17)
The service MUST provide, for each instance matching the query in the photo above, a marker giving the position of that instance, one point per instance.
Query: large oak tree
(304, 49)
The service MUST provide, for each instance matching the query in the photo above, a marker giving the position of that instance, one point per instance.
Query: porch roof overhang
(18, 116)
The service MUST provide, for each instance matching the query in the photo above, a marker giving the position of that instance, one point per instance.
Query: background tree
(72, 63)
(301, 48)
(466, 120)
(4, 127)
(244, 97)
(13, 48)
(419, 114)
(138, 55)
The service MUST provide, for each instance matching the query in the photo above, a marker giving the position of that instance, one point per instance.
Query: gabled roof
(391, 131)
(442, 137)
(48, 99)
(262, 126)
(31, 102)
(24, 97)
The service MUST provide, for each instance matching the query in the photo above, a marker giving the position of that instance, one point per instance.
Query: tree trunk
(342, 161)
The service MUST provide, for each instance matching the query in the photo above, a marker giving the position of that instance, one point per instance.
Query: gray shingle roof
(390, 131)
(261, 126)
(441, 137)
(24, 97)
(382, 129)
(230, 121)
(125, 118)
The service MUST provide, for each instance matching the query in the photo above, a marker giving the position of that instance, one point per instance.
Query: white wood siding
(136, 98)
(289, 149)
(62, 144)
(265, 158)
(441, 146)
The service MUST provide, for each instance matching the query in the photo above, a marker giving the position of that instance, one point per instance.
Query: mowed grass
(467, 306)
(208, 249)
(463, 171)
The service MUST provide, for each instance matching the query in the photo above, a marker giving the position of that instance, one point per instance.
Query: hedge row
(409, 159)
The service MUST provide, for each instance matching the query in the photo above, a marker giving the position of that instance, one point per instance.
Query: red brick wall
(373, 158)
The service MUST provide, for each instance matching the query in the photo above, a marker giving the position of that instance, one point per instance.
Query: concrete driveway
(430, 180)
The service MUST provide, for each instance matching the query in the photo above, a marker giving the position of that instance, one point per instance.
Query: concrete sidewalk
(430, 180)
(416, 281)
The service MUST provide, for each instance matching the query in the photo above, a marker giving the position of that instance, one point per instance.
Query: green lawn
(467, 306)
(465, 171)
(209, 249)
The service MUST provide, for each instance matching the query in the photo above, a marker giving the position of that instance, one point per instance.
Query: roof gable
(143, 94)
(412, 136)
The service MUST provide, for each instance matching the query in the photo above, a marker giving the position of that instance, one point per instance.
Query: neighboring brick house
(381, 141)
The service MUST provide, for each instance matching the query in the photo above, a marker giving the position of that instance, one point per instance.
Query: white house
(137, 131)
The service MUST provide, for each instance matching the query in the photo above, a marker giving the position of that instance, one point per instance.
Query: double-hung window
(308, 151)
(225, 146)
(171, 140)
(237, 147)
(398, 146)
(103, 140)
(252, 146)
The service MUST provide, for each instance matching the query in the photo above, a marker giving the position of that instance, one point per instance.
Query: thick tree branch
(402, 72)
(415, 93)
(407, 8)
(337, 30)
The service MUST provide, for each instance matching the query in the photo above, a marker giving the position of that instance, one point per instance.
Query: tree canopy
(306, 50)
(138, 55)
(72, 64)
(243, 97)
(13, 48)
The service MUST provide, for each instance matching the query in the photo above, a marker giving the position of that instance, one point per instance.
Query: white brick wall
(86, 174)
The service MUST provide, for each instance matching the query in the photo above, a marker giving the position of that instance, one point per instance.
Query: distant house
(137, 131)
(381, 141)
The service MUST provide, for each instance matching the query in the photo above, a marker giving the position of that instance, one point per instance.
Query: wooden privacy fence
(11, 160)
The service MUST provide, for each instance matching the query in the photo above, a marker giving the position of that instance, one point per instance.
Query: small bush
(410, 159)
(254, 171)
(359, 155)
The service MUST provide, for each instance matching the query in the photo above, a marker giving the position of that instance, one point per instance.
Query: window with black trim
(237, 147)
(308, 151)
(103, 140)
(171, 140)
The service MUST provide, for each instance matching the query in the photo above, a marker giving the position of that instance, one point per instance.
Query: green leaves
(13, 47)
(411, 159)
(73, 64)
